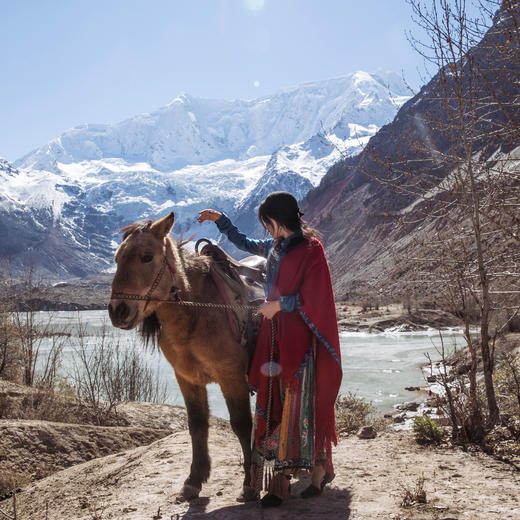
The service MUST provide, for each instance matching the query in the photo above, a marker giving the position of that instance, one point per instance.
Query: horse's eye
(146, 259)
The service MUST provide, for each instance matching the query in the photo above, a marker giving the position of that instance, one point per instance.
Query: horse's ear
(163, 226)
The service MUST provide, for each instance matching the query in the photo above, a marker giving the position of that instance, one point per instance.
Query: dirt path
(141, 484)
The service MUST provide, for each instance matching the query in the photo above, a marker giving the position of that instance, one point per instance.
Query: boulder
(367, 432)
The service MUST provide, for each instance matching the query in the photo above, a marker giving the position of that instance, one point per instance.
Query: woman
(294, 417)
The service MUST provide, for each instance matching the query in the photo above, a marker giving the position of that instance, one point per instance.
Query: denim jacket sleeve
(253, 246)
(288, 303)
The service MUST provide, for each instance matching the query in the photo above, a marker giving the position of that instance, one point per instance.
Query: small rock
(399, 418)
(431, 379)
(409, 407)
(412, 388)
(367, 432)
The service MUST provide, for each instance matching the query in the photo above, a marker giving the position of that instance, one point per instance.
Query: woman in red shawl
(296, 368)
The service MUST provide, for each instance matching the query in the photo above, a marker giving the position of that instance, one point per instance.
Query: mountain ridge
(217, 129)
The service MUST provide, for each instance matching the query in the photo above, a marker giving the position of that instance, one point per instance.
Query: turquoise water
(375, 366)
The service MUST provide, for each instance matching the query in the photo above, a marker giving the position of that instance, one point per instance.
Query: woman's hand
(209, 214)
(269, 309)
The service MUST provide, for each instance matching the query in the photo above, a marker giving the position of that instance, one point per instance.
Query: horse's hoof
(188, 493)
(248, 494)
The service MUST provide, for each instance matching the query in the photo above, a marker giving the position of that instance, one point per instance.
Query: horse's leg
(236, 394)
(196, 400)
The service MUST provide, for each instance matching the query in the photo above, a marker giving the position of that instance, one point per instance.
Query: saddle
(239, 283)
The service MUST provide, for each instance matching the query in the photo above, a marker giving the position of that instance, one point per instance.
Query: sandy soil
(142, 483)
(33, 449)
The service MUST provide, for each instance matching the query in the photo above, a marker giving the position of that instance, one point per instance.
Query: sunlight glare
(271, 369)
(254, 5)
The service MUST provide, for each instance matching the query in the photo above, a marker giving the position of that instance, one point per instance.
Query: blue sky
(67, 62)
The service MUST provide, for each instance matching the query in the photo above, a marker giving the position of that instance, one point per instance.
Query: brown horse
(152, 267)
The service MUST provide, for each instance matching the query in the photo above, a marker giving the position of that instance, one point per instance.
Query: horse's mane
(143, 225)
(150, 331)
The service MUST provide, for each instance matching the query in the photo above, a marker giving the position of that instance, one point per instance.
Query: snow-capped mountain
(192, 154)
(192, 130)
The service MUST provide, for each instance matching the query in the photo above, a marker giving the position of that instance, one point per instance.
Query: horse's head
(147, 265)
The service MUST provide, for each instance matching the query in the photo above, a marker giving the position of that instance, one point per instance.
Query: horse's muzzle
(119, 313)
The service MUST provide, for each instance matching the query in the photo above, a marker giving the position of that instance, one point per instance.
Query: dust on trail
(141, 484)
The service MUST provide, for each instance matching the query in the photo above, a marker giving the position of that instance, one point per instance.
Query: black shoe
(270, 501)
(311, 491)
(326, 480)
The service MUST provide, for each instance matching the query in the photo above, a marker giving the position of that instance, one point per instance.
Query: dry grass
(415, 494)
(11, 479)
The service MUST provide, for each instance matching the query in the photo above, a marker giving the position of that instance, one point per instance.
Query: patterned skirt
(291, 443)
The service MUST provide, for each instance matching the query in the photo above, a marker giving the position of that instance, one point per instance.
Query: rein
(123, 296)
(148, 297)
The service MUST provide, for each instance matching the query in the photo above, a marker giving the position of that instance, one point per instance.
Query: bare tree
(449, 176)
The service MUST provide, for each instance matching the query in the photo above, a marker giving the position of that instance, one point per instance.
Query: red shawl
(304, 272)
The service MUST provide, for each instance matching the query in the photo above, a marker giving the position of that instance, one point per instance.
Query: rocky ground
(373, 478)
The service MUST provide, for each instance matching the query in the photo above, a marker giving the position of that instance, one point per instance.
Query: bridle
(148, 297)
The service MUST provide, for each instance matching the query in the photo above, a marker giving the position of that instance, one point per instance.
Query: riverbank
(393, 317)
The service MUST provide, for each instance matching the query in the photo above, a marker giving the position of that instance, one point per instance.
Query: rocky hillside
(354, 207)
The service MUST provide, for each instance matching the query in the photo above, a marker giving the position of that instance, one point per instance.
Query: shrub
(353, 412)
(507, 384)
(10, 352)
(427, 431)
(11, 479)
(106, 374)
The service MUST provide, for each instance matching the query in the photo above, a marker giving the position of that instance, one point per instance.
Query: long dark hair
(283, 208)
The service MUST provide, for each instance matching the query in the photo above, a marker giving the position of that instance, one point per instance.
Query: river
(375, 366)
